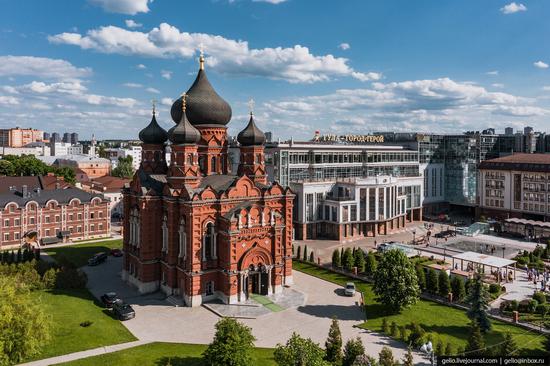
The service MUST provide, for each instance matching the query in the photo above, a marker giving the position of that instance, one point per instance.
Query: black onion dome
(184, 132)
(153, 133)
(251, 135)
(204, 105)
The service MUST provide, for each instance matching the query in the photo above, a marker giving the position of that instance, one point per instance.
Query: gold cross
(154, 102)
(251, 106)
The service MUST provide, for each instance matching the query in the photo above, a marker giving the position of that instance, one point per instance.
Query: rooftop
(521, 161)
(484, 259)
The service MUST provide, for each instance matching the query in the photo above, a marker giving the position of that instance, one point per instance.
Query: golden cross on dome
(251, 105)
(201, 57)
(183, 102)
(154, 102)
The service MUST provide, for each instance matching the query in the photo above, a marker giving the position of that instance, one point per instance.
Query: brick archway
(255, 256)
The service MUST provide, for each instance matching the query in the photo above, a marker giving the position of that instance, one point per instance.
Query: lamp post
(414, 236)
(503, 249)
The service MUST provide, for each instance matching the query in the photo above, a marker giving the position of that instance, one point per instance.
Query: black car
(123, 311)
(109, 299)
(97, 259)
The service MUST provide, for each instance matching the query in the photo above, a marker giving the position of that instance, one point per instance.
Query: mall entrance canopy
(485, 260)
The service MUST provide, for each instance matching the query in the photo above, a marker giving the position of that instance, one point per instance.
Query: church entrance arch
(255, 267)
(258, 280)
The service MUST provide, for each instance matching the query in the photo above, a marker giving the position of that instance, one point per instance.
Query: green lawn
(79, 254)
(446, 323)
(69, 308)
(158, 354)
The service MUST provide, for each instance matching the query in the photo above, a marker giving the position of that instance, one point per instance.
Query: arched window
(190, 159)
(213, 164)
(134, 227)
(209, 242)
(165, 234)
(182, 239)
(258, 158)
(201, 164)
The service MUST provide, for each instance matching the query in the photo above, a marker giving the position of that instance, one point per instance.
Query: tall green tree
(457, 288)
(508, 347)
(478, 299)
(305, 254)
(385, 357)
(370, 264)
(359, 260)
(408, 360)
(336, 261)
(432, 283)
(333, 344)
(24, 325)
(353, 349)
(444, 283)
(421, 276)
(395, 282)
(299, 252)
(299, 352)
(233, 344)
(124, 168)
(348, 259)
(476, 342)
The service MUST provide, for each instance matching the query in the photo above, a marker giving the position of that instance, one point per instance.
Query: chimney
(24, 190)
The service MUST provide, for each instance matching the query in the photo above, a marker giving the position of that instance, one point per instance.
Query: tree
(458, 289)
(444, 283)
(311, 257)
(359, 260)
(124, 168)
(353, 349)
(370, 264)
(12, 165)
(365, 360)
(439, 348)
(448, 349)
(385, 326)
(232, 345)
(432, 283)
(305, 254)
(476, 343)
(478, 299)
(508, 346)
(408, 360)
(24, 326)
(385, 357)
(393, 329)
(421, 276)
(19, 256)
(395, 282)
(333, 344)
(348, 259)
(299, 252)
(299, 351)
(336, 262)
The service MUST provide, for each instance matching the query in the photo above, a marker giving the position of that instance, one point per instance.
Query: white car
(350, 289)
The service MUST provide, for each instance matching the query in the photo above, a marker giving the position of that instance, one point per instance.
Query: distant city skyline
(349, 67)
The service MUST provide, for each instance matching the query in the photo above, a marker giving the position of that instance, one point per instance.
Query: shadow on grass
(342, 312)
(180, 361)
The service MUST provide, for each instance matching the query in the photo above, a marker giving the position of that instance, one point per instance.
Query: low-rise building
(38, 210)
(517, 185)
(111, 188)
(90, 166)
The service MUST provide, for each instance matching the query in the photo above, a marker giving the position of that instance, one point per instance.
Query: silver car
(350, 289)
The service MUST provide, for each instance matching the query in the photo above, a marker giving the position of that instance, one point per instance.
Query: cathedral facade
(193, 228)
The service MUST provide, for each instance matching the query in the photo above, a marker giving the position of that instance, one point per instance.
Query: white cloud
(497, 85)
(166, 101)
(8, 100)
(274, 2)
(130, 7)
(40, 87)
(43, 67)
(9, 89)
(132, 24)
(132, 85)
(153, 90)
(520, 111)
(492, 73)
(540, 65)
(294, 64)
(546, 88)
(166, 74)
(513, 8)
(141, 66)
(344, 46)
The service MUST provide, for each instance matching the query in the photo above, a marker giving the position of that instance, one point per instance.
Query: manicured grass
(69, 308)
(80, 253)
(158, 354)
(446, 323)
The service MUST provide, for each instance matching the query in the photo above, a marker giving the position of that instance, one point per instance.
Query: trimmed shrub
(393, 329)
(494, 288)
(385, 328)
(540, 297)
(514, 305)
(416, 337)
(532, 306)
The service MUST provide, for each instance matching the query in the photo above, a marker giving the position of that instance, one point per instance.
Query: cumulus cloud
(546, 88)
(130, 7)
(43, 67)
(8, 100)
(132, 24)
(540, 65)
(274, 2)
(492, 73)
(153, 90)
(344, 46)
(513, 8)
(166, 101)
(294, 64)
(132, 85)
(141, 66)
(166, 74)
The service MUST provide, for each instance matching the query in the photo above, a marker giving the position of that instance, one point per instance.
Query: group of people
(535, 275)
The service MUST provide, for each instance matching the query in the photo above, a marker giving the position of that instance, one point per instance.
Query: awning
(488, 260)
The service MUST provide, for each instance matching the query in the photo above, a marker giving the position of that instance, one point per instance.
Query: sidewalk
(85, 354)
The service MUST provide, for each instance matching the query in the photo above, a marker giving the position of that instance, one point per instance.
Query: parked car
(97, 259)
(116, 252)
(109, 299)
(350, 289)
(123, 311)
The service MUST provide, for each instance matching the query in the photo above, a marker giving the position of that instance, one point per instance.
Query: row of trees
(9, 257)
(233, 345)
(12, 165)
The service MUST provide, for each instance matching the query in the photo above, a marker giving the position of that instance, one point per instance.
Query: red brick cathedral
(194, 228)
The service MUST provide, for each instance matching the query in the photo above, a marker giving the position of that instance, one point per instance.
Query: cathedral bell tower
(153, 138)
(252, 159)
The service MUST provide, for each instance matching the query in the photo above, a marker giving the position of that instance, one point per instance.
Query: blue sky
(92, 66)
